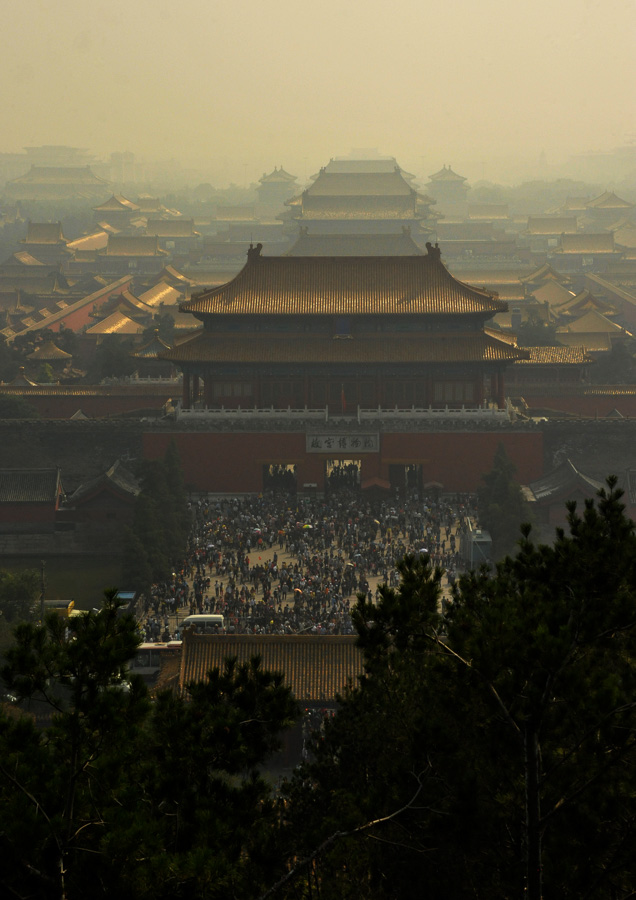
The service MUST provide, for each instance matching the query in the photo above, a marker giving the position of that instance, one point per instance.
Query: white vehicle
(204, 624)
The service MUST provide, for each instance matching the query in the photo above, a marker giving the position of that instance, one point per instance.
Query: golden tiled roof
(44, 233)
(316, 349)
(548, 225)
(556, 356)
(553, 293)
(168, 228)
(446, 174)
(26, 259)
(116, 323)
(73, 175)
(386, 285)
(277, 176)
(488, 211)
(48, 351)
(117, 203)
(316, 667)
(359, 184)
(608, 200)
(89, 299)
(587, 243)
(89, 242)
(125, 245)
(161, 293)
(358, 207)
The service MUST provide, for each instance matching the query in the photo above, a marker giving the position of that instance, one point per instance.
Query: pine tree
(115, 796)
(502, 507)
(491, 752)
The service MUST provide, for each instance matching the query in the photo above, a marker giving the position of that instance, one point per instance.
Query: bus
(206, 623)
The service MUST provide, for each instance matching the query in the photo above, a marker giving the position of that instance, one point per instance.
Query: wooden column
(493, 386)
(186, 400)
(195, 389)
(501, 400)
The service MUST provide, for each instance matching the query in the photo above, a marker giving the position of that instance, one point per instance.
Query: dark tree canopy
(502, 507)
(489, 752)
(115, 796)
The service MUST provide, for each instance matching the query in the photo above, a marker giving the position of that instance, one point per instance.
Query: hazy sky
(249, 84)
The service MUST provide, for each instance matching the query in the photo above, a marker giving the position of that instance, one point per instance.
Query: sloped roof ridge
(341, 285)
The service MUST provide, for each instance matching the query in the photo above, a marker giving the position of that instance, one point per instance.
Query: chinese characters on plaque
(343, 443)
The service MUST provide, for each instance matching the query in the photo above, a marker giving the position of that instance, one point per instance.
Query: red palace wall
(78, 318)
(233, 463)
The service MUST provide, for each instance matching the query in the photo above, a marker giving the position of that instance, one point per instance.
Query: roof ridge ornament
(433, 251)
(254, 252)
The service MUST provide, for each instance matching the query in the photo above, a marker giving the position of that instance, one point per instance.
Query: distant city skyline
(235, 88)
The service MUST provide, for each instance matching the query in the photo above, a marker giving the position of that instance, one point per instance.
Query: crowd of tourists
(276, 564)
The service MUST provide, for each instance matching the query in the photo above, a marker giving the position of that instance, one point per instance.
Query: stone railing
(477, 414)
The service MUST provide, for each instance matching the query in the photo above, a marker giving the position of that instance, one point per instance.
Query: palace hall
(324, 366)
(343, 333)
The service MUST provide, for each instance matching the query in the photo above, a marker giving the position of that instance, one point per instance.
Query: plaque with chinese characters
(343, 443)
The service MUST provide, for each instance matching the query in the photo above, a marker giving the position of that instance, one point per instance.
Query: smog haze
(234, 88)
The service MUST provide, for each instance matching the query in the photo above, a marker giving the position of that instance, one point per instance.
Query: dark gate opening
(280, 477)
(342, 474)
(406, 480)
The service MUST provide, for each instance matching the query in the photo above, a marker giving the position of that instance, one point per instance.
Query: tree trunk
(533, 815)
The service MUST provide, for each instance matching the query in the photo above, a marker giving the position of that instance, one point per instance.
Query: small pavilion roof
(277, 176)
(270, 285)
(48, 350)
(446, 174)
(21, 380)
(117, 203)
(117, 477)
(152, 348)
(560, 482)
